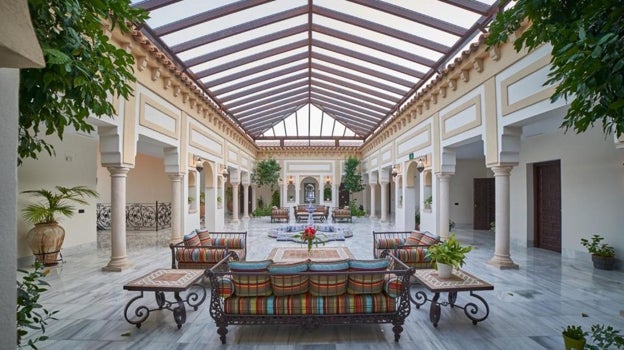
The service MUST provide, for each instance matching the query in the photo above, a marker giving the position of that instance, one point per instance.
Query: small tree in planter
(447, 255)
(603, 255)
(574, 337)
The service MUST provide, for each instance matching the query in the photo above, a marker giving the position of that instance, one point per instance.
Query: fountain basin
(329, 232)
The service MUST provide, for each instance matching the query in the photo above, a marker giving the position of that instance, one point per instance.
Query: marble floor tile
(528, 307)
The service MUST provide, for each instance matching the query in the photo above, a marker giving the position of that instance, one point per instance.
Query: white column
(176, 207)
(335, 195)
(235, 202)
(372, 200)
(502, 256)
(444, 204)
(119, 258)
(253, 198)
(245, 201)
(384, 201)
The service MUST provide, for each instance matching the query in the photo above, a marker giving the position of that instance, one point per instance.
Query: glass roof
(323, 70)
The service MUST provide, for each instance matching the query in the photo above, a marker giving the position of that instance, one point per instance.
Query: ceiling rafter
(355, 87)
(363, 80)
(272, 105)
(247, 115)
(264, 87)
(287, 89)
(352, 101)
(260, 78)
(370, 114)
(362, 97)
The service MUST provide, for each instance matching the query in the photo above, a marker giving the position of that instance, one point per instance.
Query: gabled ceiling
(356, 62)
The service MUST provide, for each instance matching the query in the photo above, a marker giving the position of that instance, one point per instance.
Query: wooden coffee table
(166, 280)
(460, 281)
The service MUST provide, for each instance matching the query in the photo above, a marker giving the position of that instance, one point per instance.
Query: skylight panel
(180, 10)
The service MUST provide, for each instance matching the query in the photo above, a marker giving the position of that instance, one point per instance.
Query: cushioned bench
(309, 293)
(408, 246)
(202, 249)
(341, 214)
(320, 213)
(279, 214)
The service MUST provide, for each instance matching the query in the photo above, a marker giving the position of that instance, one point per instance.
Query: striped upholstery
(429, 238)
(389, 243)
(285, 281)
(306, 304)
(251, 285)
(328, 285)
(392, 286)
(204, 237)
(414, 257)
(367, 283)
(414, 238)
(192, 240)
(225, 287)
(231, 243)
(199, 255)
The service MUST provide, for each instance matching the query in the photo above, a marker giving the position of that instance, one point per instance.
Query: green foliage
(83, 69)
(594, 247)
(202, 198)
(327, 192)
(428, 202)
(267, 172)
(56, 202)
(449, 252)
(30, 314)
(352, 180)
(262, 211)
(275, 199)
(574, 332)
(605, 337)
(587, 40)
(356, 210)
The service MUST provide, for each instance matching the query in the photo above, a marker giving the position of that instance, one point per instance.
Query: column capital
(118, 170)
(444, 175)
(175, 176)
(502, 170)
(234, 183)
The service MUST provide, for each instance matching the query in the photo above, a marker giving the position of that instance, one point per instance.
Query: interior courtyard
(451, 135)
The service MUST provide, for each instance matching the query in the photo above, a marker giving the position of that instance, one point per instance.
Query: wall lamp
(327, 180)
(224, 172)
(420, 165)
(291, 180)
(199, 166)
(395, 171)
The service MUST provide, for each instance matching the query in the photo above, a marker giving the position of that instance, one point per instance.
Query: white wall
(462, 189)
(9, 81)
(592, 188)
(73, 165)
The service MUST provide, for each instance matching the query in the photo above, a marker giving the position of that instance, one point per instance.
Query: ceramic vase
(444, 270)
(45, 241)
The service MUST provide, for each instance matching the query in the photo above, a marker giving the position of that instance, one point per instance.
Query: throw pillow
(330, 284)
(414, 238)
(246, 285)
(285, 279)
(429, 238)
(192, 240)
(367, 283)
(204, 237)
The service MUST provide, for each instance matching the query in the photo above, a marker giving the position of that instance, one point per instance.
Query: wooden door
(484, 206)
(547, 194)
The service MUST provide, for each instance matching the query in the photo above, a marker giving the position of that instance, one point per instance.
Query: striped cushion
(389, 243)
(429, 238)
(199, 255)
(392, 286)
(192, 240)
(225, 287)
(306, 304)
(231, 243)
(414, 238)
(204, 237)
(285, 281)
(367, 283)
(328, 285)
(251, 285)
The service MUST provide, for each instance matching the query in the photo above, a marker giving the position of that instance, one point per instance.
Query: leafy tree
(352, 180)
(587, 38)
(83, 69)
(267, 172)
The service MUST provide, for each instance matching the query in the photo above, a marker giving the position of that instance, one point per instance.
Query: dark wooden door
(484, 206)
(343, 196)
(547, 194)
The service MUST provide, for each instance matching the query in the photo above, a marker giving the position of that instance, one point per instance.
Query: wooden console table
(460, 281)
(166, 280)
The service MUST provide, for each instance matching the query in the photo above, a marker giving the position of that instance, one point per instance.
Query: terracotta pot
(444, 270)
(45, 241)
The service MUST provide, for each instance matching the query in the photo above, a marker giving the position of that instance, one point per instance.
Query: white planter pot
(444, 270)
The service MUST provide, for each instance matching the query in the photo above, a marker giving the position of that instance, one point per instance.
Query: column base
(245, 217)
(175, 240)
(503, 263)
(235, 221)
(117, 265)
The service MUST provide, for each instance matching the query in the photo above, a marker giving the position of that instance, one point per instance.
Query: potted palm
(46, 238)
(573, 337)
(603, 255)
(447, 255)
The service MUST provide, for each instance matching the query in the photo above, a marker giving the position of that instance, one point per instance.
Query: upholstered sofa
(279, 214)
(309, 293)
(408, 246)
(341, 214)
(201, 249)
(320, 213)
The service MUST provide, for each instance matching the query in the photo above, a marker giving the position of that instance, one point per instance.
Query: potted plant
(603, 255)
(605, 337)
(46, 238)
(447, 255)
(428, 202)
(202, 203)
(573, 337)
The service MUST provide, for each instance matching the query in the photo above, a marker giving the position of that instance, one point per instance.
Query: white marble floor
(528, 307)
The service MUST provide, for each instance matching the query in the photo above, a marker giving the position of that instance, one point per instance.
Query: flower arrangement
(310, 237)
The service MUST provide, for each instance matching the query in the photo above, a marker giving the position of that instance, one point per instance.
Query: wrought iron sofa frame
(396, 318)
(380, 253)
